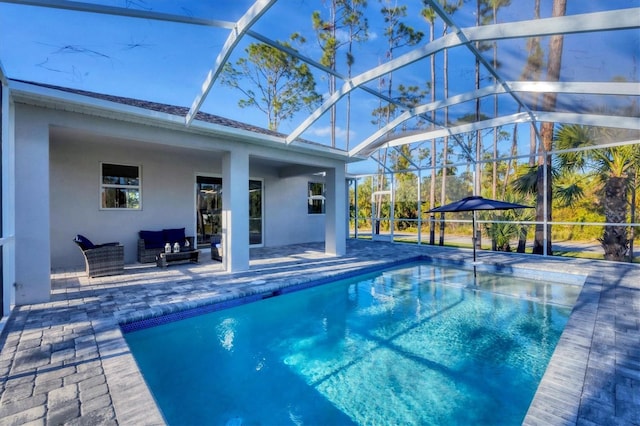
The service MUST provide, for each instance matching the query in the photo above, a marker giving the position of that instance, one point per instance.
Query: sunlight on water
(420, 344)
(226, 333)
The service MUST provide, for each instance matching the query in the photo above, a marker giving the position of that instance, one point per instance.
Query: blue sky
(168, 62)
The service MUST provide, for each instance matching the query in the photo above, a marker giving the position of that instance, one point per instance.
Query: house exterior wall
(58, 156)
(167, 193)
(286, 215)
(168, 198)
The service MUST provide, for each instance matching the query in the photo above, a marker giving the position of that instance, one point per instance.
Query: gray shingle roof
(168, 109)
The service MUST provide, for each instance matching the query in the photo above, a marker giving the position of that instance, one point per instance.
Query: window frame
(314, 197)
(103, 186)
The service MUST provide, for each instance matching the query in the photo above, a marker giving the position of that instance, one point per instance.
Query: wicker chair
(101, 260)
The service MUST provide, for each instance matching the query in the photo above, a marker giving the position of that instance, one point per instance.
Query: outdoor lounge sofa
(102, 259)
(151, 243)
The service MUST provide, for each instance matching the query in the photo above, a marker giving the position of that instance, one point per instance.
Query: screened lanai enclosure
(428, 101)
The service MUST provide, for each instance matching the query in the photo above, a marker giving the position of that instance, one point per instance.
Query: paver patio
(66, 361)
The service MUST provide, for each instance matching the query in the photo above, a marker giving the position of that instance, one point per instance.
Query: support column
(235, 211)
(32, 211)
(7, 236)
(335, 211)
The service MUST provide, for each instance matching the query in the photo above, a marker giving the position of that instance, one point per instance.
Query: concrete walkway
(66, 361)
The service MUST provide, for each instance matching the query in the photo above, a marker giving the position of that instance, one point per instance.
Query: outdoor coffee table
(165, 259)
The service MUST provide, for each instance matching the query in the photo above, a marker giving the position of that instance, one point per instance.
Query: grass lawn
(460, 244)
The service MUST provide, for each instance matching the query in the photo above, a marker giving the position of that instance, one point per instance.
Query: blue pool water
(418, 344)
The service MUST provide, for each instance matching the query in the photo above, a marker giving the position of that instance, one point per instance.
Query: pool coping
(178, 311)
(45, 379)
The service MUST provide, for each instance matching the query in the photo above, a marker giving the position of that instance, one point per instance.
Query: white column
(8, 204)
(235, 210)
(33, 239)
(335, 210)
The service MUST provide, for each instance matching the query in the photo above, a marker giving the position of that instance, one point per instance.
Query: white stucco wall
(7, 239)
(32, 206)
(168, 192)
(32, 254)
(286, 214)
(58, 157)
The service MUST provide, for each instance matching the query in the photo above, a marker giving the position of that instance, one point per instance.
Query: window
(316, 198)
(120, 187)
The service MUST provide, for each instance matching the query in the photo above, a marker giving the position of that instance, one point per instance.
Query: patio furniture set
(165, 247)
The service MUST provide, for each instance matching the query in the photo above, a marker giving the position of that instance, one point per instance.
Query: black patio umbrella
(473, 203)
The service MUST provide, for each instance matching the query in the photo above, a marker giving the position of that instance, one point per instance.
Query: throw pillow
(152, 239)
(84, 242)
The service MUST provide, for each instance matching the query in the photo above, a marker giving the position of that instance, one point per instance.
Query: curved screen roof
(455, 79)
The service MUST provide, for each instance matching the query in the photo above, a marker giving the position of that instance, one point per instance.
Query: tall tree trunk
(348, 114)
(546, 133)
(477, 184)
(432, 194)
(494, 183)
(445, 145)
(532, 72)
(543, 196)
(432, 189)
(632, 231)
(443, 186)
(332, 78)
(513, 162)
(614, 240)
(522, 239)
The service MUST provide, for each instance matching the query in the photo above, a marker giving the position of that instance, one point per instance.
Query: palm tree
(614, 169)
(612, 166)
(502, 234)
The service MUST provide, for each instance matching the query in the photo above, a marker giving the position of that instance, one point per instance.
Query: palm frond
(568, 195)
(571, 136)
(526, 180)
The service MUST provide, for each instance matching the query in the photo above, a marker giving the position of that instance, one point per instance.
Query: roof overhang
(33, 94)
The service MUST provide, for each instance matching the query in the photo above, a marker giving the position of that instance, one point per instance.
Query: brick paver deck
(66, 361)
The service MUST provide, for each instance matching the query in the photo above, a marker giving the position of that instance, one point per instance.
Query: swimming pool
(420, 343)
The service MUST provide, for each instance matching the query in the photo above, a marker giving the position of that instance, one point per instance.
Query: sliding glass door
(209, 210)
(255, 212)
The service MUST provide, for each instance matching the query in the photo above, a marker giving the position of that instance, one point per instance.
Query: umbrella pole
(473, 221)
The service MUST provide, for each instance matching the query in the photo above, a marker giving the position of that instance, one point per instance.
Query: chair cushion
(152, 239)
(114, 243)
(174, 235)
(83, 242)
